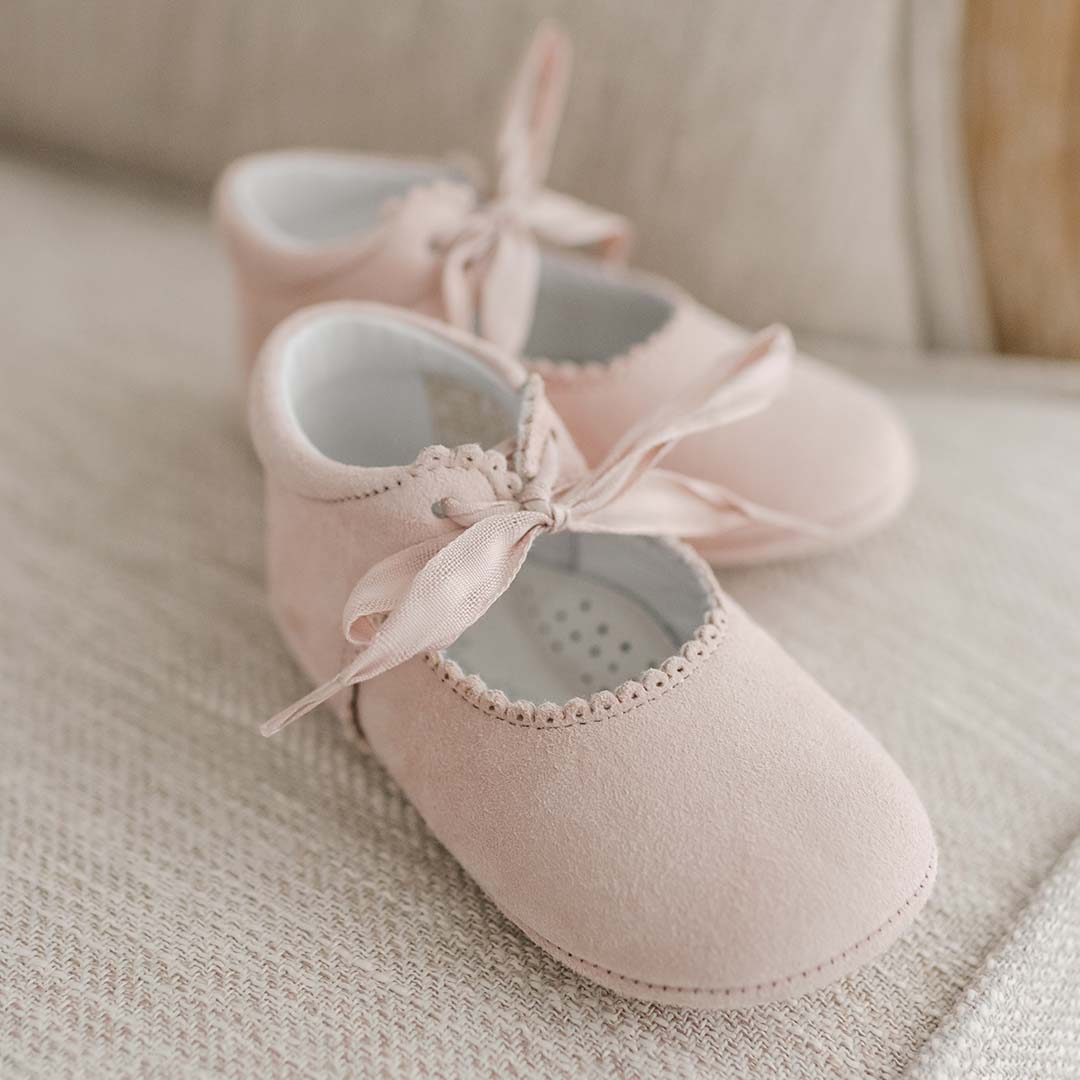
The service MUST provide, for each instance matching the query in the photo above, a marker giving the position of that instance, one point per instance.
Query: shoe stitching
(489, 463)
(768, 984)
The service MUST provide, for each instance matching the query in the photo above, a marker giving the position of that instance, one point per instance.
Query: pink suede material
(717, 834)
(736, 839)
(392, 264)
(327, 523)
(320, 549)
(831, 450)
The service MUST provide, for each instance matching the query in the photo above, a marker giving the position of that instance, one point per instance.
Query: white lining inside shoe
(312, 200)
(583, 314)
(561, 632)
(375, 392)
(587, 611)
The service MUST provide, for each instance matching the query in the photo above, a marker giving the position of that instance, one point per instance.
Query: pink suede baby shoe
(825, 464)
(635, 773)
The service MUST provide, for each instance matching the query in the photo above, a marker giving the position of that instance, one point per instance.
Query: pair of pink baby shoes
(470, 553)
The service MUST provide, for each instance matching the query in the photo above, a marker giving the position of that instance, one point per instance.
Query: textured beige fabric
(179, 897)
(784, 159)
(1021, 1016)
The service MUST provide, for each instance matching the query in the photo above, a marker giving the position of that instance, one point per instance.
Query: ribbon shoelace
(490, 254)
(426, 595)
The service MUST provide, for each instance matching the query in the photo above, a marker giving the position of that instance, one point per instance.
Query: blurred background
(896, 179)
(897, 172)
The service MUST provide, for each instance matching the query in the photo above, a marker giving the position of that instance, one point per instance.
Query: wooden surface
(1021, 91)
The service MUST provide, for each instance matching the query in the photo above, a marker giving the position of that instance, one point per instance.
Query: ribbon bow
(433, 591)
(491, 261)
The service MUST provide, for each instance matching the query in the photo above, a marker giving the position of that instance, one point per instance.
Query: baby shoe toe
(714, 836)
(829, 451)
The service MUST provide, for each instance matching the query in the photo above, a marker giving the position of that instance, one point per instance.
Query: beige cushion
(180, 897)
(784, 160)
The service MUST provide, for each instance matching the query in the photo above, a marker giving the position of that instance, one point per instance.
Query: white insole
(556, 634)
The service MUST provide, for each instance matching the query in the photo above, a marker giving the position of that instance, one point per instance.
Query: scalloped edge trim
(688, 318)
(604, 704)
(491, 463)
(620, 366)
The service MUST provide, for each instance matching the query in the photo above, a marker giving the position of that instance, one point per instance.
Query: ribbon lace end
(308, 703)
